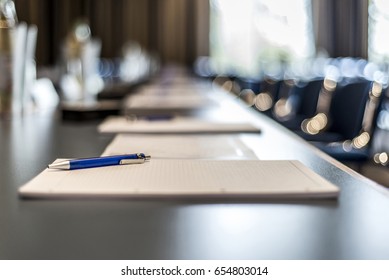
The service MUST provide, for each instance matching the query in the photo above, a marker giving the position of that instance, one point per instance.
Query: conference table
(353, 226)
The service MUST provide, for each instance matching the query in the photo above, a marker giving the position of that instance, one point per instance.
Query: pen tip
(59, 165)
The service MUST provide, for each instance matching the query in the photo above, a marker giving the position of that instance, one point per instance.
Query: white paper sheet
(174, 125)
(172, 146)
(184, 91)
(187, 101)
(184, 178)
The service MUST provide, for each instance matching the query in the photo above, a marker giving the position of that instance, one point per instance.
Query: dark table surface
(355, 226)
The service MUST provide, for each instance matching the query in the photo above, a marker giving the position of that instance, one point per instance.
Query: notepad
(169, 102)
(181, 146)
(174, 125)
(185, 178)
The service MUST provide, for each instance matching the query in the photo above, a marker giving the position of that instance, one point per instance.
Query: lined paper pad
(184, 178)
(174, 125)
(180, 146)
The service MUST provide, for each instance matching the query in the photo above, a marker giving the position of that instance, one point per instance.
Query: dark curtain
(176, 30)
(341, 27)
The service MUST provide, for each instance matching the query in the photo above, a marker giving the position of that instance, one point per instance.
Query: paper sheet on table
(168, 102)
(184, 178)
(175, 125)
(193, 90)
(221, 146)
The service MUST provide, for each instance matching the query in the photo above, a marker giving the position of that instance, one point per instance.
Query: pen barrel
(102, 161)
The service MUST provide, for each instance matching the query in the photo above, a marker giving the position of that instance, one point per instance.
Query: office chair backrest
(271, 87)
(348, 107)
(309, 95)
(252, 84)
(297, 101)
(267, 95)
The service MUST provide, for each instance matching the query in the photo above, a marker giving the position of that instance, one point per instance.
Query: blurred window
(247, 35)
(378, 40)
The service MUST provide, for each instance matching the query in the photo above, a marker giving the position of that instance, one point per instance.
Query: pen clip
(141, 159)
(132, 161)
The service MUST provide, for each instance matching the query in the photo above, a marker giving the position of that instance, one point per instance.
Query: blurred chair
(259, 94)
(267, 95)
(284, 101)
(346, 131)
(246, 83)
(305, 97)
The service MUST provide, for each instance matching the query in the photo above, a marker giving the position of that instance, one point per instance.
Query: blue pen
(99, 161)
